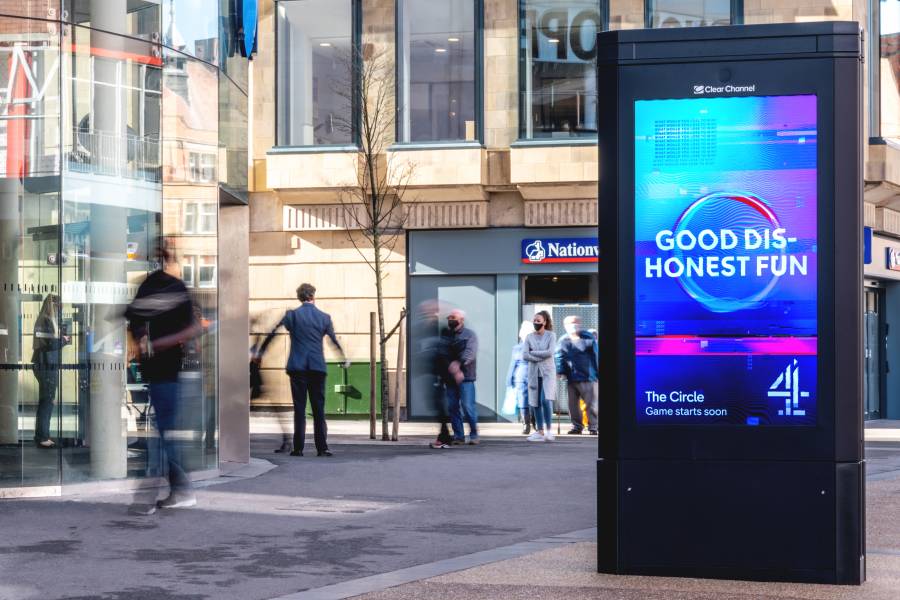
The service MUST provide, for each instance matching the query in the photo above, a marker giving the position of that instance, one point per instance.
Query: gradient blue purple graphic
(725, 260)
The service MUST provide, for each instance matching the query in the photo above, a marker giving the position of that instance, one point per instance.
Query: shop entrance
(875, 335)
(562, 295)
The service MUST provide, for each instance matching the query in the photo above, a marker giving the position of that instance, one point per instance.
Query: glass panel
(38, 9)
(890, 68)
(230, 60)
(559, 46)
(437, 70)
(314, 72)
(690, 13)
(111, 214)
(191, 129)
(33, 330)
(139, 18)
(233, 110)
(192, 27)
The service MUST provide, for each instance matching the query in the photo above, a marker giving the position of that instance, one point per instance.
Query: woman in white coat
(539, 350)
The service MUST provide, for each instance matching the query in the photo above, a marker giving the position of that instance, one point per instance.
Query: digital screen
(725, 261)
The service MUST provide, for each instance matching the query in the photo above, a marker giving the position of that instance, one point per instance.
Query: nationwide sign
(559, 250)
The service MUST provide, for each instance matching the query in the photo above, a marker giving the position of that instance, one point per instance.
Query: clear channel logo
(701, 90)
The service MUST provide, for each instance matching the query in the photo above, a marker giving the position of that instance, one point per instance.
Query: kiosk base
(765, 520)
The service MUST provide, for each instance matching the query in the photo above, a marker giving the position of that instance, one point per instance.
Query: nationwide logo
(700, 90)
(559, 250)
(787, 386)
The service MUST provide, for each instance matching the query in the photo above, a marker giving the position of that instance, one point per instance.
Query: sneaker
(178, 501)
(593, 432)
(474, 441)
(573, 431)
(438, 445)
(549, 437)
(458, 443)
(142, 509)
(537, 436)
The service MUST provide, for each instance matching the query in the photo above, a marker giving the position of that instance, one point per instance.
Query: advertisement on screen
(726, 261)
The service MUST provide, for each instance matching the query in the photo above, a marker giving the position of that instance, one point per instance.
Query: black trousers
(312, 384)
(48, 381)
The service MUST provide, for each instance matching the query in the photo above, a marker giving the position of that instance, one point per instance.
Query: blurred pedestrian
(307, 327)
(49, 340)
(577, 359)
(161, 321)
(517, 379)
(539, 351)
(460, 351)
(427, 380)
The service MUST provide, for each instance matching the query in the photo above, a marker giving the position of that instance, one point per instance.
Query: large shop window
(438, 70)
(315, 72)
(558, 83)
(690, 13)
(889, 68)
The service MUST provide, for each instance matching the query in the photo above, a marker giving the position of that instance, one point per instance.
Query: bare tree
(375, 207)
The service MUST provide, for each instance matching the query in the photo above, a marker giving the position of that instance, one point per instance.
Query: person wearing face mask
(539, 349)
(460, 347)
(577, 358)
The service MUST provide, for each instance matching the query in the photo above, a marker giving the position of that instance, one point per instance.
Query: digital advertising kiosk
(731, 303)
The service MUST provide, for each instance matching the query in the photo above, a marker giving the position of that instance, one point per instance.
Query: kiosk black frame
(777, 503)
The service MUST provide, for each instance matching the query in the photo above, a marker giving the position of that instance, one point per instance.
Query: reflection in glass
(111, 214)
(29, 246)
(314, 69)
(139, 18)
(190, 130)
(437, 70)
(890, 68)
(192, 27)
(689, 13)
(559, 46)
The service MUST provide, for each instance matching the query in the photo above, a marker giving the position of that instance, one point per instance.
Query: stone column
(108, 242)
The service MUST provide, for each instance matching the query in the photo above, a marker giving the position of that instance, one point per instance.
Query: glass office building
(122, 123)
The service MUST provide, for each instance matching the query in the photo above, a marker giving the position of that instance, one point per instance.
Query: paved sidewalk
(569, 571)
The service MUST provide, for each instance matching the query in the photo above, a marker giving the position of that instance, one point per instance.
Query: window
(689, 13)
(187, 270)
(438, 65)
(202, 167)
(207, 271)
(190, 217)
(315, 72)
(889, 68)
(558, 48)
(207, 218)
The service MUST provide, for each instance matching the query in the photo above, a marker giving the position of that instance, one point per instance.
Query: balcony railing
(126, 156)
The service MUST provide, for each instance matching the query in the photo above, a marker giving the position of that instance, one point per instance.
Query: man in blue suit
(307, 327)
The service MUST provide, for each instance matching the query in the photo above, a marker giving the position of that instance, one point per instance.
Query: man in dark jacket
(307, 326)
(460, 346)
(161, 321)
(576, 359)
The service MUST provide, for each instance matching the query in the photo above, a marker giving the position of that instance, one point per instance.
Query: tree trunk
(382, 342)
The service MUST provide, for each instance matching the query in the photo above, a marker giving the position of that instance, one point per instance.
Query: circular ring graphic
(717, 302)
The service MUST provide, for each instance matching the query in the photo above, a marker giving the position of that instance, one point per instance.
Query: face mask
(571, 328)
(452, 324)
(538, 326)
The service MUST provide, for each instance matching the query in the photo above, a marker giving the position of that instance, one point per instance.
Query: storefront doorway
(875, 352)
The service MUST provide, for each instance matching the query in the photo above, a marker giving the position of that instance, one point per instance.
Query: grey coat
(538, 350)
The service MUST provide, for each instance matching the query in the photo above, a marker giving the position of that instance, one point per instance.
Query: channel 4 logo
(787, 386)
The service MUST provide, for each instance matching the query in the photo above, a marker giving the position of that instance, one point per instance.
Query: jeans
(543, 412)
(461, 402)
(165, 402)
(48, 381)
(312, 384)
